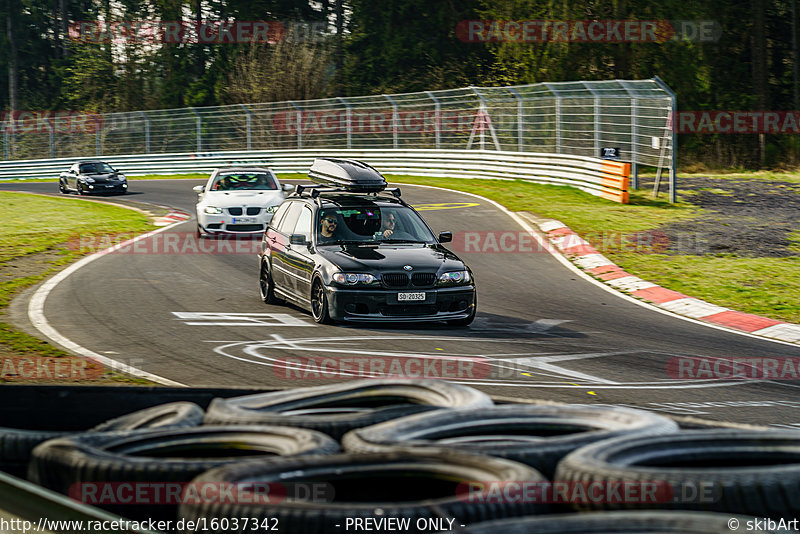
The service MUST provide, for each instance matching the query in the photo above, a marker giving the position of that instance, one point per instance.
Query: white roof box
(347, 174)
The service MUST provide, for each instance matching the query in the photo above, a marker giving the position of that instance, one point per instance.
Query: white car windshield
(244, 181)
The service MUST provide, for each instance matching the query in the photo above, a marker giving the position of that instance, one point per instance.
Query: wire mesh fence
(576, 118)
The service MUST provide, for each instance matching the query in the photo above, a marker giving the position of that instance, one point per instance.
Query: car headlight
(213, 210)
(454, 278)
(89, 180)
(121, 177)
(272, 209)
(351, 279)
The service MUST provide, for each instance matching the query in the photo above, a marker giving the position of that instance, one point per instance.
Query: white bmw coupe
(238, 201)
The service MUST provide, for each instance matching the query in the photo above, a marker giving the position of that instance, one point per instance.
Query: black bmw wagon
(348, 249)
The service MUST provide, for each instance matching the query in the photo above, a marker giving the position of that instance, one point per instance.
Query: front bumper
(382, 305)
(119, 187)
(226, 224)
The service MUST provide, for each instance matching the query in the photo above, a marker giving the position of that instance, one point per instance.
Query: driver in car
(387, 226)
(328, 227)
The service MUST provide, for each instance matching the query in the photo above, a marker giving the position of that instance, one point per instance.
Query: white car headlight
(272, 209)
(213, 210)
(89, 180)
(122, 177)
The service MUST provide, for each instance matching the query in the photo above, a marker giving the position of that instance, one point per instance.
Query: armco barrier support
(607, 179)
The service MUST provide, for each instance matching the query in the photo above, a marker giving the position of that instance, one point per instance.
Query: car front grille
(253, 211)
(235, 211)
(395, 279)
(244, 227)
(423, 279)
(408, 310)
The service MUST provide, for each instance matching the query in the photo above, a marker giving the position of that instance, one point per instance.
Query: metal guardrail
(565, 118)
(593, 175)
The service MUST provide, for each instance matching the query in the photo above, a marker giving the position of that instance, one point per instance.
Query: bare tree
(282, 71)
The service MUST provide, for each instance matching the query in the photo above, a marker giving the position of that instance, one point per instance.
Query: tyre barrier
(160, 456)
(418, 454)
(537, 435)
(616, 523)
(16, 444)
(418, 488)
(338, 408)
(734, 471)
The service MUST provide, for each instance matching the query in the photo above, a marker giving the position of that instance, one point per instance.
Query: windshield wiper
(400, 241)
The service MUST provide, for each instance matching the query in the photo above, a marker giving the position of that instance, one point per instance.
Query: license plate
(237, 220)
(405, 297)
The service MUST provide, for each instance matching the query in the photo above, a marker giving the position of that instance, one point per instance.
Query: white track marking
(40, 322)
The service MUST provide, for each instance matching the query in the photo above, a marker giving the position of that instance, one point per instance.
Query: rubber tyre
(319, 311)
(61, 189)
(79, 190)
(536, 435)
(171, 415)
(16, 444)
(155, 456)
(613, 523)
(338, 408)
(267, 286)
(743, 471)
(402, 485)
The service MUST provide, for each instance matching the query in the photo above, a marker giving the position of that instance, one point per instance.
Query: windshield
(372, 224)
(95, 168)
(244, 181)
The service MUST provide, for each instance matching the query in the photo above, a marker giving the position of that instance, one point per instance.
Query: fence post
(348, 121)
(299, 124)
(249, 126)
(673, 169)
(146, 131)
(558, 125)
(520, 123)
(198, 126)
(437, 119)
(98, 139)
(394, 120)
(634, 149)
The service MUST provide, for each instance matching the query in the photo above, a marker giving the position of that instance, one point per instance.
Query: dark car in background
(348, 249)
(86, 177)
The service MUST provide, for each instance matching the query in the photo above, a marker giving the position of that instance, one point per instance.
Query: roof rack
(316, 191)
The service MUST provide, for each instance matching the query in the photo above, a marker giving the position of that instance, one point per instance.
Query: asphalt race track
(542, 330)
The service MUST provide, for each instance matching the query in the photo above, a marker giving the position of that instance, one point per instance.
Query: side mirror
(287, 187)
(445, 237)
(297, 239)
(199, 188)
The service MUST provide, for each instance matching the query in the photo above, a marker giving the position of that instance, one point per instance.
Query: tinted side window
(286, 226)
(303, 225)
(276, 219)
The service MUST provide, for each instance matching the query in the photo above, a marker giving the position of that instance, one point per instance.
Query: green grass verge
(763, 286)
(39, 237)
